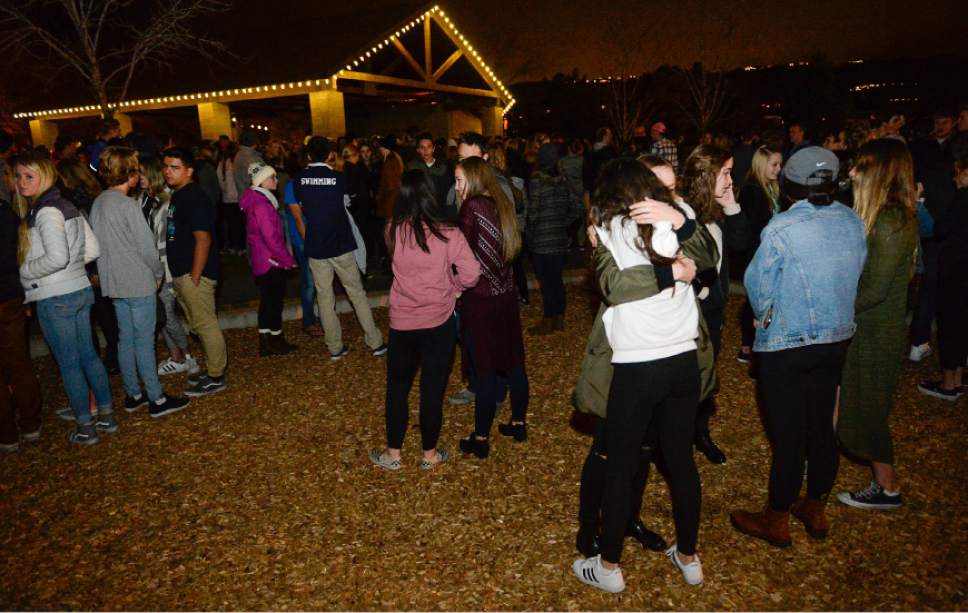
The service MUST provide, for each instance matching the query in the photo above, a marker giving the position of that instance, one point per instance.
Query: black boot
(475, 446)
(518, 431)
(587, 540)
(279, 344)
(706, 446)
(265, 348)
(649, 539)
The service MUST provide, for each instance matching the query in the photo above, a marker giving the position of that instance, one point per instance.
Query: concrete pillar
(492, 121)
(43, 132)
(328, 114)
(125, 121)
(215, 119)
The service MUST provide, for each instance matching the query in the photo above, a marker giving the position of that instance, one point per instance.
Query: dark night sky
(526, 39)
(286, 40)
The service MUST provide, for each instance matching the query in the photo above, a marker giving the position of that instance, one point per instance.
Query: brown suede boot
(810, 511)
(558, 323)
(769, 525)
(546, 326)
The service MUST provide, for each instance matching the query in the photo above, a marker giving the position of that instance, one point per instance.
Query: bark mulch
(262, 498)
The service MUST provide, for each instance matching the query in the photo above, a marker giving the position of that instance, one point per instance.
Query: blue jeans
(66, 324)
(136, 345)
(307, 287)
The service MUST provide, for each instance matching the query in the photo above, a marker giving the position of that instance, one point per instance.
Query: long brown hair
(883, 180)
(622, 183)
(481, 181)
(699, 181)
(75, 174)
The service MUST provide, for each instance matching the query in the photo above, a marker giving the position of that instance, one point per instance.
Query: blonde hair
(883, 180)
(155, 176)
(44, 168)
(761, 158)
(481, 181)
(118, 165)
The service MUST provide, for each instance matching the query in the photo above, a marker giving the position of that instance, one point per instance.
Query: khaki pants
(349, 275)
(198, 302)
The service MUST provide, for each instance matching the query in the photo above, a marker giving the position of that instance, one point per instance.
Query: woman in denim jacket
(802, 284)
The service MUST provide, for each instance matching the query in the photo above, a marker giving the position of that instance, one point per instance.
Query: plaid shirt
(666, 149)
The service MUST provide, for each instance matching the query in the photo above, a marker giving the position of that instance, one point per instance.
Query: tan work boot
(769, 525)
(811, 512)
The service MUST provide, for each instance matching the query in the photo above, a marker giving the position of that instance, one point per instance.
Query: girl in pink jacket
(269, 256)
(432, 265)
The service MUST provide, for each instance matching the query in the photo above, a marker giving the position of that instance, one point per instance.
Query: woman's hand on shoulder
(649, 212)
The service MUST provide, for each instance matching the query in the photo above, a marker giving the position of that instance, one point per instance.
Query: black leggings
(593, 472)
(272, 292)
(952, 319)
(665, 392)
(799, 388)
(432, 350)
(493, 389)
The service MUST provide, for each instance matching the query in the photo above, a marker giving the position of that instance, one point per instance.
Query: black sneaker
(381, 350)
(106, 422)
(84, 435)
(194, 379)
(933, 388)
(132, 404)
(518, 431)
(873, 497)
(168, 405)
(206, 385)
(339, 355)
(743, 357)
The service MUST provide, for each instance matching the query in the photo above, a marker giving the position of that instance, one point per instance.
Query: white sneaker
(691, 572)
(919, 352)
(171, 367)
(590, 571)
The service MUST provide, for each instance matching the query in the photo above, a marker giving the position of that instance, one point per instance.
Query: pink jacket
(267, 243)
(425, 287)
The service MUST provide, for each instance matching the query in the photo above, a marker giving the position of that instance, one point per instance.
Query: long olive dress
(874, 356)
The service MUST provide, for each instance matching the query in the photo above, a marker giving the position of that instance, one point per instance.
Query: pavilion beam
(454, 89)
(406, 54)
(43, 132)
(456, 55)
(428, 56)
(470, 57)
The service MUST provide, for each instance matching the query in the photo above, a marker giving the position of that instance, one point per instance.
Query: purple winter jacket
(267, 243)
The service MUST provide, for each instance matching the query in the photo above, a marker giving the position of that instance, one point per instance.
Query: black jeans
(592, 486)
(549, 269)
(747, 330)
(952, 315)
(232, 226)
(103, 313)
(665, 392)
(493, 389)
(926, 308)
(432, 350)
(520, 275)
(799, 389)
(272, 292)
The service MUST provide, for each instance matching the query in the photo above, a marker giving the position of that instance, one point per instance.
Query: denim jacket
(802, 282)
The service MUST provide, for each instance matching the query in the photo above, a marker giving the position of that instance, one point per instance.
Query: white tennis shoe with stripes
(591, 571)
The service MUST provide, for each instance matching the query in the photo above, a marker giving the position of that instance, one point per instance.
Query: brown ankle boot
(546, 326)
(810, 511)
(769, 525)
(558, 323)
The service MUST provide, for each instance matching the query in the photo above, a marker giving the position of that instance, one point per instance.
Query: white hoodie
(657, 327)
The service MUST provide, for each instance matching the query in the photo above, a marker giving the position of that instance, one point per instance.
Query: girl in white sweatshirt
(655, 376)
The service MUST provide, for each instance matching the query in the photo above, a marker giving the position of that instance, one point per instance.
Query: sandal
(383, 460)
(442, 456)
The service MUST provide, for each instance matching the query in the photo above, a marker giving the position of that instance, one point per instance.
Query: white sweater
(657, 327)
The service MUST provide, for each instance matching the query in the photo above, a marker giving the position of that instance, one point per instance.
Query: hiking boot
(769, 525)
(811, 512)
(872, 498)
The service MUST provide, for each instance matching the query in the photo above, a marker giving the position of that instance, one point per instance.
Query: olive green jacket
(637, 283)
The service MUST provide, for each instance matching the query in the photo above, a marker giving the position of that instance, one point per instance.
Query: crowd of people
(127, 235)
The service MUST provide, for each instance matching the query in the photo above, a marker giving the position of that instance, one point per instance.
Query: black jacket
(10, 288)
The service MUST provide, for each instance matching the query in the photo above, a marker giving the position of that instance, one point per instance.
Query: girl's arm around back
(461, 258)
